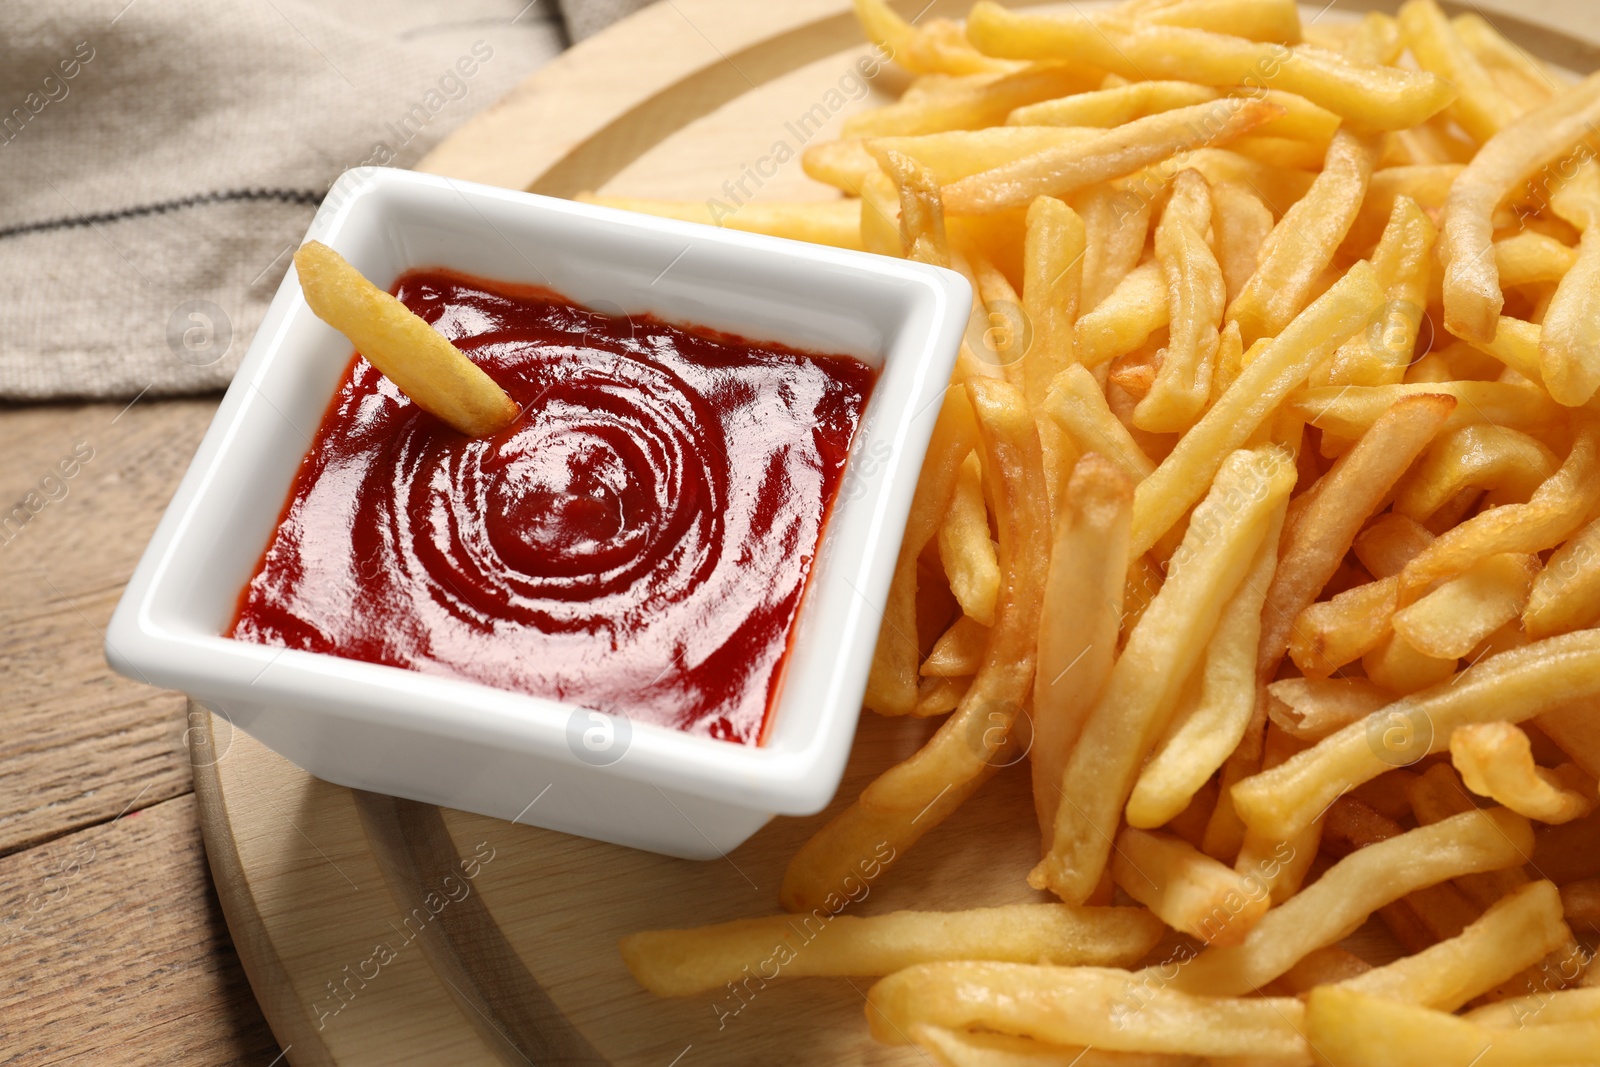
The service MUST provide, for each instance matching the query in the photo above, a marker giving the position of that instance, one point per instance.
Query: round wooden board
(382, 931)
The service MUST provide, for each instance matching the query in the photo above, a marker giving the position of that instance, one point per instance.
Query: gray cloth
(160, 159)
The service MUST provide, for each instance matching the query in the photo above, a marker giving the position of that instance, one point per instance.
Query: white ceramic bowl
(488, 750)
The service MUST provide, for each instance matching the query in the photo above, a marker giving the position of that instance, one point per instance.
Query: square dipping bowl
(506, 754)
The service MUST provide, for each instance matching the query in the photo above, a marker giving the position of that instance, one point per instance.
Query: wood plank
(115, 951)
(77, 742)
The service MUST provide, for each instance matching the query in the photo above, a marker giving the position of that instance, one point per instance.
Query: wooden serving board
(382, 931)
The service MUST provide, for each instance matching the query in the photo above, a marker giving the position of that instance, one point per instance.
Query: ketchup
(637, 541)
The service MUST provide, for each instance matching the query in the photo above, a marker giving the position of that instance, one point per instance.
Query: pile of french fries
(1267, 490)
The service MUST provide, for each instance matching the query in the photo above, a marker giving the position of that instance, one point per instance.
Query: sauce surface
(636, 542)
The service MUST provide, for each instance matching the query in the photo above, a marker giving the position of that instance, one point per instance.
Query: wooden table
(112, 946)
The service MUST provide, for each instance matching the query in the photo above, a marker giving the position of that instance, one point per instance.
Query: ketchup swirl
(637, 541)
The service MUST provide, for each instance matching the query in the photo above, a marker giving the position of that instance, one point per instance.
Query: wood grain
(113, 949)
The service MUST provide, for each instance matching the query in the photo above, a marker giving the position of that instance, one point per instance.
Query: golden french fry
(1216, 708)
(1514, 686)
(965, 548)
(1354, 488)
(1569, 345)
(1125, 319)
(892, 682)
(1355, 1029)
(1241, 222)
(1353, 889)
(1143, 688)
(431, 371)
(1576, 731)
(1110, 154)
(1052, 280)
(1479, 456)
(1278, 187)
(1346, 411)
(678, 963)
(956, 154)
(1078, 623)
(1401, 667)
(1186, 889)
(1479, 107)
(1112, 107)
(1196, 294)
(1312, 708)
(1437, 794)
(1305, 239)
(1180, 480)
(880, 215)
(912, 797)
(1384, 98)
(1403, 261)
(1428, 185)
(1329, 634)
(921, 213)
(1496, 761)
(1078, 405)
(919, 50)
(1529, 257)
(1390, 542)
(967, 1048)
(1472, 295)
(959, 651)
(845, 164)
(939, 696)
(1097, 1006)
(1543, 1008)
(1450, 621)
(1116, 220)
(1515, 933)
(823, 222)
(1521, 77)
(974, 102)
(1555, 511)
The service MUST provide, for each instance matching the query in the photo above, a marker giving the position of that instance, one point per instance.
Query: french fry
(1575, 729)
(1437, 794)
(1355, 1029)
(1530, 257)
(1326, 966)
(1530, 82)
(1329, 634)
(1472, 295)
(1543, 1008)
(965, 549)
(432, 372)
(1513, 686)
(1052, 280)
(1384, 98)
(1180, 480)
(844, 164)
(967, 1048)
(679, 963)
(1566, 593)
(1555, 511)
(1400, 667)
(919, 50)
(1185, 888)
(1353, 889)
(1196, 294)
(1078, 623)
(1213, 714)
(1345, 497)
(1310, 709)
(959, 651)
(823, 222)
(1479, 456)
(880, 215)
(1479, 107)
(1302, 245)
(1427, 185)
(1569, 350)
(892, 681)
(1346, 411)
(1078, 405)
(1515, 933)
(1116, 220)
(1101, 1007)
(1110, 154)
(1112, 107)
(1125, 319)
(1403, 261)
(978, 101)
(1496, 761)
(921, 213)
(1278, 187)
(939, 696)
(1390, 542)
(1160, 653)
(956, 154)
(912, 797)
(1241, 222)
(1449, 622)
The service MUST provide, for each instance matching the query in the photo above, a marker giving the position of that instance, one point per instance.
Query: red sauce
(637, 541)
